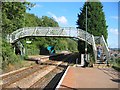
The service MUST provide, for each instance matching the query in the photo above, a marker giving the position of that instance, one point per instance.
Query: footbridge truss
(58, 32)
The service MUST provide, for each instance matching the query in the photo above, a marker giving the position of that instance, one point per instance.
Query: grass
(116, 66)
(18, 65)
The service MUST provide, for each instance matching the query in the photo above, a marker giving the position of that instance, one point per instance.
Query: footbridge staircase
(60, 32)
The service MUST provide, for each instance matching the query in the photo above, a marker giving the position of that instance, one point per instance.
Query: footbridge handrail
(105, 47)
(50, 31)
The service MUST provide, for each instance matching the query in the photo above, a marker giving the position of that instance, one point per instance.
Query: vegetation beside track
(116, 64)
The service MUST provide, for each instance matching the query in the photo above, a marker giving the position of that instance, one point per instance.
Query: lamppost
(86, 35)
(25, 51)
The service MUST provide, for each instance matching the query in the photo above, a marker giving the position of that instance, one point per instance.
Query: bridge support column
(19, 49)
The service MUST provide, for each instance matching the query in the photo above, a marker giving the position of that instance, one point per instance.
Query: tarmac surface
(77, 77)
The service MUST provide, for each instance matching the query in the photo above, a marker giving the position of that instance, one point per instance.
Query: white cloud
(114, 17)
(38, 6)
(114, 31)
(61, 19)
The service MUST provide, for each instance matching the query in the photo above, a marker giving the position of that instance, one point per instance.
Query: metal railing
(49, 31)
(105, 47)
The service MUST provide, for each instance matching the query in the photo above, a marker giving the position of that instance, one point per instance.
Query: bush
(8, 55)
(117, 61)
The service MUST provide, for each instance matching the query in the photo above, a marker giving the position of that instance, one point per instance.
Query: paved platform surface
(77, 77)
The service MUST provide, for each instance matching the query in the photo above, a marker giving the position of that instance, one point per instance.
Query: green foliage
(12, 19)
(32, 49)
(31, 20)
(72, 45)
(59, 44)
(48, 22)
(116, 64)
(8, 55)
(12, 16)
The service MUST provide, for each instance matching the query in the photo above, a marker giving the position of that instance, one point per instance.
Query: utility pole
(86, 35)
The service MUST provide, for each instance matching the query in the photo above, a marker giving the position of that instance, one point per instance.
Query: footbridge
(69, 32)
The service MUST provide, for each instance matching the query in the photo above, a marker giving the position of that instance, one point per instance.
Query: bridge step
(101, 66)
(100, 62)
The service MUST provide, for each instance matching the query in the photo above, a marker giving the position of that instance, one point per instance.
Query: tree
(48, 22)
(95, 18)
(96, 23)
(32, 21)
(12, 19)
(13, 14)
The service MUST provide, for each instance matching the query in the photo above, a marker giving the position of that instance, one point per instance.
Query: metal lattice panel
(50, 31)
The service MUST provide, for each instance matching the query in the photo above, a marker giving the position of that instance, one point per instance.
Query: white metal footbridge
(60, 32)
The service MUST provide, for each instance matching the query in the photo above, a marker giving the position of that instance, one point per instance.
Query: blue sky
(65, 13)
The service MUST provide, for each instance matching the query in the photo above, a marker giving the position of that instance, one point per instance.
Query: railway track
(28, 77)
(14, 77)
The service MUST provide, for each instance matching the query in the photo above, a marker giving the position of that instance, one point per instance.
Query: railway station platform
(77, 77)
